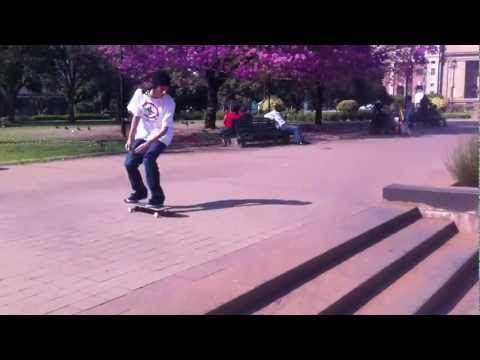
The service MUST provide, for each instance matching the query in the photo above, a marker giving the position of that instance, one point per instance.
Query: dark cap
(161, 78)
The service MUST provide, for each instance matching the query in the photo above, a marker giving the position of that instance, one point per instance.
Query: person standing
(151, 133)
(229, 121)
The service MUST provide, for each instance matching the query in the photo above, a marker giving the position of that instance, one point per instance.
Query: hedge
(85, 116)
(456, 115)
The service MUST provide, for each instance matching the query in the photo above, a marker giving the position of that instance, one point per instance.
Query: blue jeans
(149, 159)
(227, 132)
(293, 130)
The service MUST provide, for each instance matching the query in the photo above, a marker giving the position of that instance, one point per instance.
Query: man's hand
(128, 145)
(142, 148)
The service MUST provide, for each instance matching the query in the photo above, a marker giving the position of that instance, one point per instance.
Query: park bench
(258, 129)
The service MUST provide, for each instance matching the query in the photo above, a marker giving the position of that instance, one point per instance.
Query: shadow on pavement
(225, 204)
(1, 168)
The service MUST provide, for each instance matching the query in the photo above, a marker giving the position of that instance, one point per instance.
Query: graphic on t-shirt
(150, 111)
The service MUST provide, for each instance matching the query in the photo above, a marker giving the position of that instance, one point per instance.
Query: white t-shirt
(275, 115)
(155, 114)
(418, 97)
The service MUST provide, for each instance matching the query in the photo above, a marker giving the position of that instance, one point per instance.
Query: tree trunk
(71, 111)
(212, 100)
(120, 113)
(319, 105)
(11, 105)
(106, 99)
(407, 81)
(2, 105)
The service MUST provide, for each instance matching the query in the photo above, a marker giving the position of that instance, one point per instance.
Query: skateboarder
(150, 134)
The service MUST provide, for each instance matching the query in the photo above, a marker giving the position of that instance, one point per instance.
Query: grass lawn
(37, 133)
(25, 143)
(53, 149)
(35, 143)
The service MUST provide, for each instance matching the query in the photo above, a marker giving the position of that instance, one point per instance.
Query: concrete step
(346, 287)
(312, 254)
(469, 304)
(245, 280)
(421, 284)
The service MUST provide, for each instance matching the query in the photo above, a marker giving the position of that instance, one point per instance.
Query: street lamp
(453, 66)
(120, 105)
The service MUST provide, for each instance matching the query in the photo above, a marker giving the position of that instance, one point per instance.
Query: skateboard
(157, 211)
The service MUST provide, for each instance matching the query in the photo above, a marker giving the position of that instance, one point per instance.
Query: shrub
(456, 115)
(363, 115)
(440, 102)
(348, 107)
(92, 116)
(463, 162)
(190, 115)
(49, 117)
(300, 116)
(86, 116)
(399, 100)
(274, 100)
(333, 116)
(85, 107)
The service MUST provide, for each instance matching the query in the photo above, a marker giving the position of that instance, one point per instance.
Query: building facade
(452, 72)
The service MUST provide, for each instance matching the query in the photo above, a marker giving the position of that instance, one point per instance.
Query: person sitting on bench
(284, 127)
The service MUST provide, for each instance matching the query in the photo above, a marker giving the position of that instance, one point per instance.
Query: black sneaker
(135, 198)
(156, 202)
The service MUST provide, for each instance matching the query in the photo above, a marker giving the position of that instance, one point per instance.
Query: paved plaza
(68, 244)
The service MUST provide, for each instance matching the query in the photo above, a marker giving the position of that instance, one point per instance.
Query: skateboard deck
(157, 211)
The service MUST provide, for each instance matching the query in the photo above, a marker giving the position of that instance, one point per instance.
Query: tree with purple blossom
(213, 64)
(314, 66)
(402, 59)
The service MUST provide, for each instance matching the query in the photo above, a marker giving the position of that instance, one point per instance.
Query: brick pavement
(67, 242)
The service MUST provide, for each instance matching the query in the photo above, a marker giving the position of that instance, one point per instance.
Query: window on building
(432, 84)
(433, 62)
(432, 72)
(471, 79)
(400, 90)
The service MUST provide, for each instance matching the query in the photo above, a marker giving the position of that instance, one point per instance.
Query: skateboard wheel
(156, 215)
(131, 210)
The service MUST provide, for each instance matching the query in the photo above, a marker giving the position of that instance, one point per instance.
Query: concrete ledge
(448, 198)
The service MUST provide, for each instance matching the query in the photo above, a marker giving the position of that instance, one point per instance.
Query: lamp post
(120, 98)
(441, 61)
(453, 66)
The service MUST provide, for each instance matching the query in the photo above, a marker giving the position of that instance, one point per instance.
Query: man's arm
(132, 132)
(134, 108)
(133, 127)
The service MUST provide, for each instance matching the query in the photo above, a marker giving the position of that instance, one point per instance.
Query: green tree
(20, 67)
(72, 73)
(240, 91)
